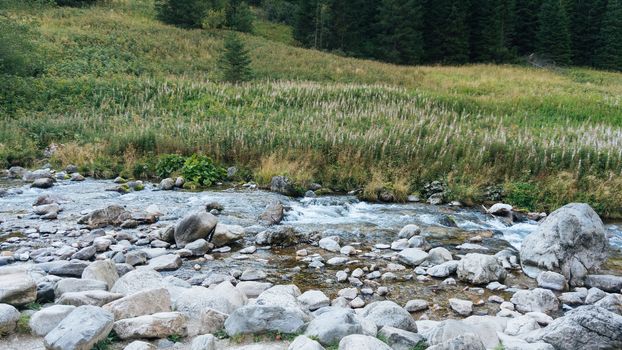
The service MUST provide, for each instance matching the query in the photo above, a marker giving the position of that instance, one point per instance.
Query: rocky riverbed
(133, 266)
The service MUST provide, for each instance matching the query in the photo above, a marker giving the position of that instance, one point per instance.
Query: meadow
(117, 89)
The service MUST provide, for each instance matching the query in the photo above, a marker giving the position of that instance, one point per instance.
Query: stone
(467, 341)
(273, 214)
(102, 270)
(486, 328)
(283, 185)
(304, 343)
(17, 288)
(611, 302)
(399, 339)
(412, 256)
(263, 318)
(330, 243)
(252, 289)
(159, 325)
(8, 319)
(68, 285)
(88, 297)
(586, 327)
(137, 280)
(400, 244)
(438, 255)
(409, 231)
(337, 260)
(142, 303)
(552, 280)
(607, 283)
(198, 247)
(538, 299)
(462, 307)
(542, 318)
(388, 313)
(480, 269)
(314, 299)
(44, 320)
(113, 215)
(226, 234)
(521, 325)
(253, 275)
(204, 342)
(347, 250)
(223, 297)
(85, 253)
(416, 305)
(594, 295)
(500, 209)
(168, 262)
(443, 270)
(331, 324)
(280, 236)
(136, 257)
(73, 268)
(194, 226)
(167, 184)
(362, 342)
(80, 330)
(139, 345)
(572, 240)
(571, 298)
(43, 183)
(419, 242)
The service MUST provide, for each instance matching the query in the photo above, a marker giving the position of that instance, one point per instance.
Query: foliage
(175, 338)
(202, 171)
(238, 16)
(422, 345)
(553, 38)
(169, 164)
(235, 60)
(184, 13)
(609, 52)
(23, 324)
(522, 195)
(75, 2)
(17, 54)
(281, 11)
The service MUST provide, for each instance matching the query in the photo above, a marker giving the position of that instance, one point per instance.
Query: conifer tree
(553, 39)
(446, 33)
(608, 55)
(399, 38)
(525, 26)
(238, 16)
(235, 60)
(586, 20)
(304, 23)
(486, 30)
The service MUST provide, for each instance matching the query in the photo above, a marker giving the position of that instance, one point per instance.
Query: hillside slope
(119, 88)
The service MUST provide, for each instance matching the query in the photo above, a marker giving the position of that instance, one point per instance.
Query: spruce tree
(238, 16)
(399, 38)
(183, 13)
(445, 32)
(235, 60)
(553, 39)
(525, 26)
(304, 23)
(608, 55)
(486, 30)
(586, 20)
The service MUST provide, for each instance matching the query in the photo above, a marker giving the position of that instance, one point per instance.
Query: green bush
(185, 13)
(168, 164)
(202, 171)
(238, 16)
(522, 194)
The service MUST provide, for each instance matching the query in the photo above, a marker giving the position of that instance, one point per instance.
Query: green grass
(119, 88)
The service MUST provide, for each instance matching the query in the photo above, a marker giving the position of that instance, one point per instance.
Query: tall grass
(120, 88)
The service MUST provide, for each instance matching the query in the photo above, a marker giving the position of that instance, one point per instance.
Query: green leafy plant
(522, 194)
(175, 338)
(201, 170)
(168, 164)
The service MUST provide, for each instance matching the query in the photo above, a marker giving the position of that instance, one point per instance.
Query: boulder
(142, 303)
(8, 319)
(303, 343)
(44, 320)
(252, 289)
(273, 214)
(167, 184)
(89, 297)
(138, 280)
(139, 345)
(443, 270)
(521, 325)
(439, 255)
(586, 327)
(136, 257)
(538, 300)
(204, 342)
(199, 247)
(462, 307)
(159, 325)
(194, 226)
(552, 280)
(362, 342)
(43, 183)
(608, 283)
(611, 302)
(314, 299)
(69, 285)
(409, 231)
(80, 330)
(226, 234)
(73, 268)
(330, 243)
(17, 288)
(168, 262)
(331, 324)
(260, 318)
(283, 185)
(572, 240)
(463, 342)
(500, 209)
(388, 313)
(400, 339)
(480, 269)
(113, 215)
(102, 270)
(412, 256)
(280, 236)
(446, 330)
(416, 305)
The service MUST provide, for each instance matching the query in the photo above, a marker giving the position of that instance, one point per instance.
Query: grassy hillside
(118, 88)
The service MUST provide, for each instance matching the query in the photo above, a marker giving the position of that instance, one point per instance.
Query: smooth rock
(388, 313)
(538, 299)
(44, 320)
(8, 319)
(261, 318)
(102, 270)
(142, 303)
(194, 226)
(159, 325)
(362, 342)
(80, 330)
(480, 269)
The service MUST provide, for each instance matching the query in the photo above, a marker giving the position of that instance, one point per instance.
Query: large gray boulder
(259, 318)
(608, 283)
(225, 234)
(88, 297)
(283, 185)
(362, 342)
(400, 339)
(8, 319)
(273, 214)
(480, 269)
(160, 325)
(412, 256)
(331, 324)
(44, 320)
(71, 285)
(102, 270)
(137, 280)
(141, 303)
(536, 300)
(586, 327)
(467, 341)
(303, 343)
(80, 330)
(112, 215)
(17, 288)
(572, 240)
(388, 313)
(194, 226)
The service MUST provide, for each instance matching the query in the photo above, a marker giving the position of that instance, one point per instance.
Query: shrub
(168, 164)
(75, 3)
(202, 171)
(185, 13)
(238, 16)
(522, 194)
(280, 11)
